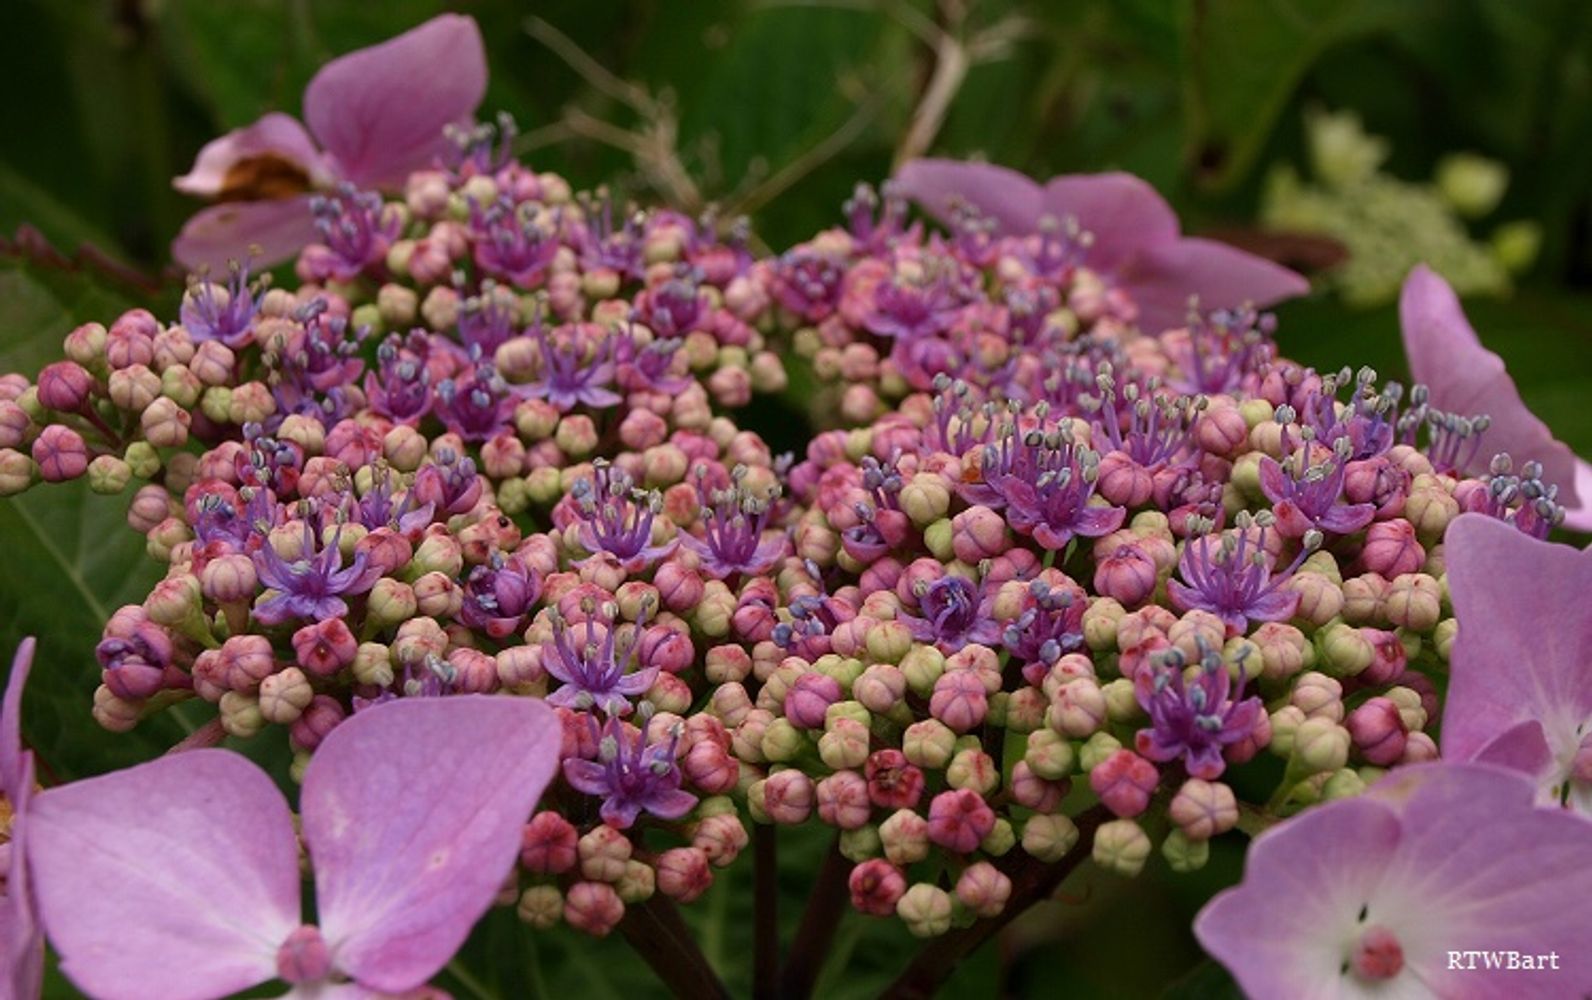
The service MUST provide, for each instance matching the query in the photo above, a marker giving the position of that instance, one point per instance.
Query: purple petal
(670, 803)
(1092, 522)
(276, 137)
(619, 812)
(176, 878)
(380, 111)
(1522, 747)
(586, 776)
(21, 941)
(1346, 519)
(1465, 378)
(1578, 503)
(1162, 278)
(1525, 637)
(1273, 607)
(412, 813)
(1004, 195)
(263, 232)
(1273, 483)
(1124, 214)
(11, 754)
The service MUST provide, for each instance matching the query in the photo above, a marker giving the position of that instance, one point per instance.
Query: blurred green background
(776, 109)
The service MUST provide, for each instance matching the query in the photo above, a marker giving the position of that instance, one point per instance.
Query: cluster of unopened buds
(1063, 576)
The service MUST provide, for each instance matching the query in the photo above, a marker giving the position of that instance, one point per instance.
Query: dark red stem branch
(765, 912)
(820, 920)
(654, 929)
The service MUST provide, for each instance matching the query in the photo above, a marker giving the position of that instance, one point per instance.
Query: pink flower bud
(904, 837)
(1391, 549)
(323, 648)
(593, 907)
(165, 424)
(683, 874)
(603, 853)
(710, 768)
(880, 688)
(979, 533)
(60, 454)
(1221, 429)
(960, 820)
(283, 696)
(65, 386)
(1124, 781)
(1126, 574)
(876, 886)
(1378, 731)
(1077, 709)
(788, 797)
(1123, 481)
(246, 660)
(809, 699)
(1031, 791)
(721, 838)
(843, 800)
(1388, 657)
(893, 782)
(322, 716)
(959, 700)
(1203, 809)
(548, 844)
(984, 889)
(229, 579)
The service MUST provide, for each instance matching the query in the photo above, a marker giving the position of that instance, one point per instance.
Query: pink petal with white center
(1465, 378)
(1122, 213)
(380, 111)
(1282, 931)
(173, 879)
(1011, 199)
(1524, 649)
(1162, 278)
(1446, 857)
(261, 232)
(276, 139)
(412, 812)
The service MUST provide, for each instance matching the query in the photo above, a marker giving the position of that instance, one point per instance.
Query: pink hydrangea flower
(1448, 358)
(180, 877)
(1136, 236)
(1520, 681)
(373, 116)
(1370, 896)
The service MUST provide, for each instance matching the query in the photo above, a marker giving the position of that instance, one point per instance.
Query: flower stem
(654, 929)
(817, 931)
(765, 911)
(1031, 881)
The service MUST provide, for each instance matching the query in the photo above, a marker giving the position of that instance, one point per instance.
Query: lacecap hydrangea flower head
(1084, 546)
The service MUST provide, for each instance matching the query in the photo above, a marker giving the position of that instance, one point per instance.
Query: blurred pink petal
(11, 753)
(21, 944)
(1524, 649)
(276, 138)
(1002, 194)
(1124, 213)
(412, 815)
(1161, 278)
(380, 111)
(176, 878)
(1434, 858)
(263, 232)
(1135, 238)
(1465, 378)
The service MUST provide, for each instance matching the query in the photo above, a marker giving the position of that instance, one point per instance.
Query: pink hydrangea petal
(412, 812)
(1578, 517)
(1525, 637)
(262, 232)
(275, 135)
(1446, 856)
(380, 111)
(11, 755)
(21, 943)
(1480, 868)
(1464, 377)
(176, 878)
(1160, 279)
(1123, 214)
(1280, 931)
(1004, 195)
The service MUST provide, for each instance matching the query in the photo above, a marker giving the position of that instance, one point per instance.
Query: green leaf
(1207, 981)
(1244, 60)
